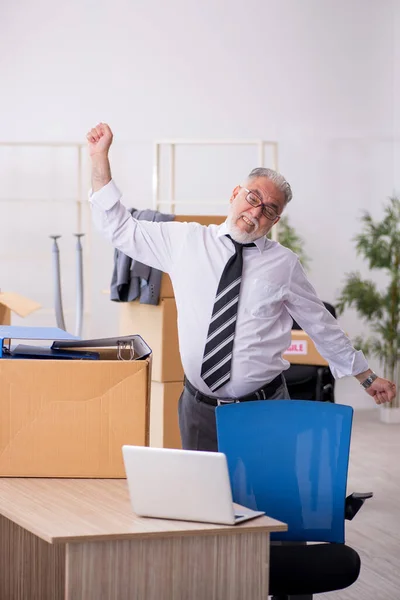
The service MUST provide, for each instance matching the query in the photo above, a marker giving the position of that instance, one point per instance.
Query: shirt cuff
(358, 365)
(106, 197)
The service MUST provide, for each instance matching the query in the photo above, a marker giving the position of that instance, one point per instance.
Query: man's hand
(382, 390)
(99, 141)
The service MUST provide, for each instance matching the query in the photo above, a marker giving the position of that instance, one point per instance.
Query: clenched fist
(99, 139)
(382, 390)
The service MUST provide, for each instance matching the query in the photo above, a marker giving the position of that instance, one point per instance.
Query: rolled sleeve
(357, 364)
(106, 197)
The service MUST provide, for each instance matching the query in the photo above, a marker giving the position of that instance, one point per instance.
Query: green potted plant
(379, 244)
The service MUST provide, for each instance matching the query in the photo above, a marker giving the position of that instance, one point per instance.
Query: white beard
(240, 236)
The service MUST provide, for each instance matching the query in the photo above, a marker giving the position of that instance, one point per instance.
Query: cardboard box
(70, 418)
(166, 289)
(202, 219)
(302, 350)
(164, 425)
(12, 302)
(158, 327)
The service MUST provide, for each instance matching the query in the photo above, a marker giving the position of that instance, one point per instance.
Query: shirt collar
(261, 243)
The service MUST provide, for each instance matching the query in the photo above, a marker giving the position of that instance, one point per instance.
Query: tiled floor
(375, 531)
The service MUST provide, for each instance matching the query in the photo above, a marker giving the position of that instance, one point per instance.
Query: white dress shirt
(274, 289)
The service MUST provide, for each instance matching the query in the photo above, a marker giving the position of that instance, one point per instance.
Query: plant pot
(389, 415)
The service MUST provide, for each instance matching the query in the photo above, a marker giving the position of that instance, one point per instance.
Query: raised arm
(153, 243)
(99, 141)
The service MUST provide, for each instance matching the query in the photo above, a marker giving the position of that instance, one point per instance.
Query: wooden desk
(79, 540)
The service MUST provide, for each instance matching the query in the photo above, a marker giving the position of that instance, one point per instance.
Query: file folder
(134, 344)
(15, 332)
(45, 352)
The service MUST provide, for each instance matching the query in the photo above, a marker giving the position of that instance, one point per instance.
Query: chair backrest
(289, 458)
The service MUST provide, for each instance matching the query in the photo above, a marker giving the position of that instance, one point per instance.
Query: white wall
(396, 95)
(318, 76)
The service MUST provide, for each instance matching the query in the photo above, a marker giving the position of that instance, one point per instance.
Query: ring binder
(135, 344)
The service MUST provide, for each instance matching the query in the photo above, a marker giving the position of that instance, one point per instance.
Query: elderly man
(236, 292)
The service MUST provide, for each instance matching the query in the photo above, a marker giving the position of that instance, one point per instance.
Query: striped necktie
(217, 358)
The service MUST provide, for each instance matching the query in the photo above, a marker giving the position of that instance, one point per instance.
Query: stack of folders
(61, 345)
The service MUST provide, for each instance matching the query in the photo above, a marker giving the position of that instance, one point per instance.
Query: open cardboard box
(12, 302)
(70, 418)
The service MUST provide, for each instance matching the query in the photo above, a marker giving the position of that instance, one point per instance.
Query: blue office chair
(289, 458)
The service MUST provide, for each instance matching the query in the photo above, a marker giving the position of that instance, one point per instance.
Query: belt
(261, 394)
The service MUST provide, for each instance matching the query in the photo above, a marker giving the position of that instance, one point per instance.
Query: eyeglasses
(255, 201)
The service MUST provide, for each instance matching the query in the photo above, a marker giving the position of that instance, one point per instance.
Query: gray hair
(276, 178)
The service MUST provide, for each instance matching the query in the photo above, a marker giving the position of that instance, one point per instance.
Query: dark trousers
(197, 420)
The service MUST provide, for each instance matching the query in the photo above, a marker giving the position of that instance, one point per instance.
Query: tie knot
(238, 245)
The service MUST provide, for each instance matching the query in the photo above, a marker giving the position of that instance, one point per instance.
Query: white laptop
(182, 485)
